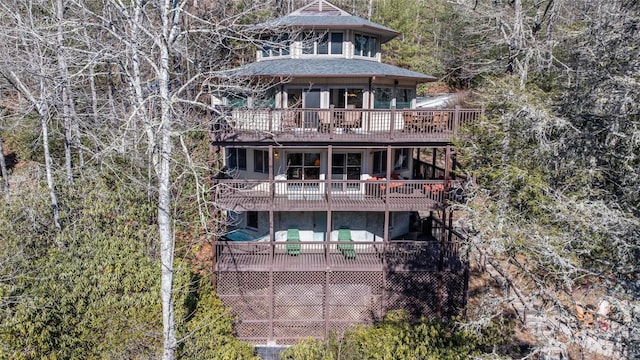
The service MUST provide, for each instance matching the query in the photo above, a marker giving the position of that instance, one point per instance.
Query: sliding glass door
(346, 167)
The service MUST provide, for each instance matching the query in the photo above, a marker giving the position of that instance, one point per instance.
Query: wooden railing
(343, 123)
(310, 255)
(354, 189)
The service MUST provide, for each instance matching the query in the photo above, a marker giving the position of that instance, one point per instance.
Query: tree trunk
(48, 168)
(164, 178)
(3, 169)
(66, 111)
(43, 111)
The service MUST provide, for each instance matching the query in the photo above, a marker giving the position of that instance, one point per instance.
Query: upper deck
(417, 126)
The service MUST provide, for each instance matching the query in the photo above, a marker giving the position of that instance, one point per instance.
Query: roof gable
(322, 15)
(320, 7)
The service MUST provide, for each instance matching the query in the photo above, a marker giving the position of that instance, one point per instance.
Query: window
(275, 45)
(283, 45)
(265, 100)
(322, 43)
(346, 98)
(336, 43)
(404, 98)
(379, 162)
(308, 43)
(303, 166)
(401, 159)
(237, 101)
(346, 167)
(365, 45)
(252, 219)
(237, 158)
(382, 98)
(261, 161)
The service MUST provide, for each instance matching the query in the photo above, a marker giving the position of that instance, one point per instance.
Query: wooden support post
(216, 165)
(271, 246)
(329, 215)
(329, 203)
(385, 239)
(386, 194)
(433, 163)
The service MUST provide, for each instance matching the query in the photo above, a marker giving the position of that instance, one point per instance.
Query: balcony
(341, 125)
(336, 195)
(322, 255)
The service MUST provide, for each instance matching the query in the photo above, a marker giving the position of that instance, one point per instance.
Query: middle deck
(337, 195)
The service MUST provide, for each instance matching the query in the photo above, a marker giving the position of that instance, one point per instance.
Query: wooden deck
(278, 296)
(395, 256)
(313, 195)
(340, 125)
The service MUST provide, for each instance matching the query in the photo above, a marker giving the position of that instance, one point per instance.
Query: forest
(105, 165)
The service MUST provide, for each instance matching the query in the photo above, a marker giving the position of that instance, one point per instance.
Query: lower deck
(320, 256)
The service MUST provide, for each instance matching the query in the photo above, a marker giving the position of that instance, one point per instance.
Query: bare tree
(28, 70)
(3, 169)
(555, 216)
(504, 37)
(172, 52)
(138, 74)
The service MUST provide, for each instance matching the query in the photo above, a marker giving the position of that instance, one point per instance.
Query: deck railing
(344, 123)
(396, 255)
(378, 189)
(339, 195)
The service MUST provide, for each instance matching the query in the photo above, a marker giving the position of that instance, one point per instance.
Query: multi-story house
(338, 185)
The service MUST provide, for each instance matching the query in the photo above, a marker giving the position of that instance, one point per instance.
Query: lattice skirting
(287, 306)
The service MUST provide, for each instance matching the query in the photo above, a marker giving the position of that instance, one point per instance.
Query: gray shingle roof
(322, 15)
(329, 22)
(338, 67)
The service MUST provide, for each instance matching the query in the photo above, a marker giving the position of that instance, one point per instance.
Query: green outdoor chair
(345, 244)
(293, 235)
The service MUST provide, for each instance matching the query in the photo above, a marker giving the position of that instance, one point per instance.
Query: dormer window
(365, 45)
(327, 43)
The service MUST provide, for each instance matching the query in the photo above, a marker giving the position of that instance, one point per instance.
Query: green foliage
(421, 45)
(208, 334)
(23, 143)
(396, 338)
(95, 296)
(93, 290)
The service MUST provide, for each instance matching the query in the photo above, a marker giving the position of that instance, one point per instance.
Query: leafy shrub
(396, 338)
(93, 289)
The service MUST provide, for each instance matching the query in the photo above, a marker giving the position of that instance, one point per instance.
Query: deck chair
(324, 120)
(351, 119)
(293, 235)
(411, 121)
(345, 244)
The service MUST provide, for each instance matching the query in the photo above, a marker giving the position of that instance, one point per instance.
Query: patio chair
(293, 235)
(324, 120)
(411, 122)
(351, 119)
(440, 121)
(345, 244)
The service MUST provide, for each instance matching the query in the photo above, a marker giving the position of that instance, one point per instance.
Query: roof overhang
(325, 68)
